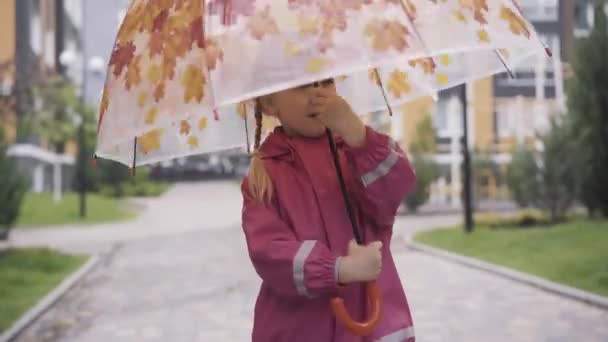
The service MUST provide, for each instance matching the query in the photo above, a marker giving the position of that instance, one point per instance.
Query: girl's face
(293, 109)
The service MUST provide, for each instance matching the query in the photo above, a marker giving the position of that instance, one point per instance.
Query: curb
(45, 303)
(540, 283)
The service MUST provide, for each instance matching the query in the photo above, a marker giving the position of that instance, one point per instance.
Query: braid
(260, 184)
(258, 125)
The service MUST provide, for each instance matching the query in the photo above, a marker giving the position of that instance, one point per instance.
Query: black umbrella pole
(349, 208)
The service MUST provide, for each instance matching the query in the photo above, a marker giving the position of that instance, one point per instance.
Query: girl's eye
(324, 83)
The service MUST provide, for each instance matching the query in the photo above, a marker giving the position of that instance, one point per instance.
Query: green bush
(588, 110)
(425, 174)
(521, 177)
(523, 219)
(12, 189)
(547, 179)
(134, 189)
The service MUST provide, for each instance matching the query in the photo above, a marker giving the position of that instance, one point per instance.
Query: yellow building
(7, 70)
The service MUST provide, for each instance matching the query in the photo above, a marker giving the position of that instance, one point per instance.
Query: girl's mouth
(313, 115)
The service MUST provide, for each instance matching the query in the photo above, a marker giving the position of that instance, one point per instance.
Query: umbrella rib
(521, 12)
(504, 63)
(216, 116)
(247, 129)
(134, 156)
(388, 105)
(416, 32)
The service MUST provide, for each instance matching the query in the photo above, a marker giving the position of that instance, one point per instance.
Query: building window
(583, 12)
(448, 116)
(515, 117)
(540, 10)
(503, 121)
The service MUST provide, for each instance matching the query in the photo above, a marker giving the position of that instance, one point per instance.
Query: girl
(298, 232)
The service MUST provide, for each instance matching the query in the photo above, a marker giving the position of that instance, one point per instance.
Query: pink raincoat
(294, 242)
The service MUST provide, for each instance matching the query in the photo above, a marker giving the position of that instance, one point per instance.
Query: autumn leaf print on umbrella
(180, 67)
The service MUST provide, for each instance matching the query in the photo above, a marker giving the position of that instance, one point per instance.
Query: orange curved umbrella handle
(360, 328)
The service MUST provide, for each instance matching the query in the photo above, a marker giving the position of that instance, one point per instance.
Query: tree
(483, 166)
(547, 180)
(425, 174)
(588, 110)
(12, 189)
(20, 100)
(425, 136)
(521, 176)
(56, 116)
(422, 150)
(558, 171)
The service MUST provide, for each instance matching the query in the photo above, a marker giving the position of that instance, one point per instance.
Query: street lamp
(94, 65)
(467, 190)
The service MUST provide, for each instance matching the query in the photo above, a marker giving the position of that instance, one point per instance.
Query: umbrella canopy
(181, 71)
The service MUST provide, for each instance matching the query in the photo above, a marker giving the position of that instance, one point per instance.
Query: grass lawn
(27, 275)
(575, 253)
(40, 210)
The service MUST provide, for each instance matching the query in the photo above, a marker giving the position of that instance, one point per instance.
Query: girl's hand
(361, 264)
(337, 115)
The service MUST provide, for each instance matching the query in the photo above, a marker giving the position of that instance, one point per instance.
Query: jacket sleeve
(293, 268)
(383, 177)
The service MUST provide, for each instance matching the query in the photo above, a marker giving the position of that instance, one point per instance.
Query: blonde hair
(260, 184)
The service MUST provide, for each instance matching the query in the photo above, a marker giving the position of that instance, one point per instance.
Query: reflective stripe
(384, 167)
(398, 336)
(337, 270)
(298, 266)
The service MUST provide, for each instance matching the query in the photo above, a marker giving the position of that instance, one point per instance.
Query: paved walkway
(185, 207)
(195, 283)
